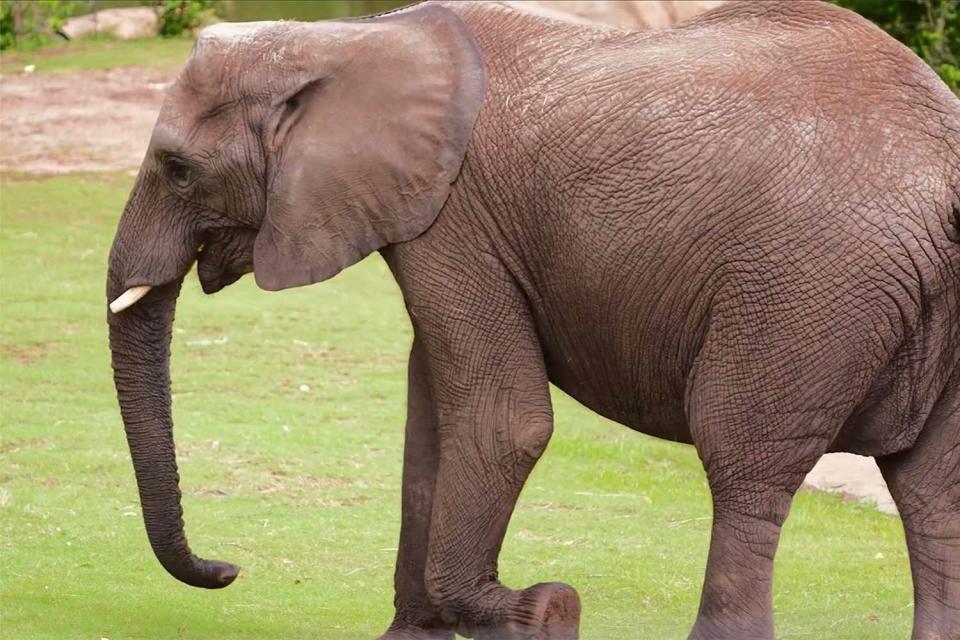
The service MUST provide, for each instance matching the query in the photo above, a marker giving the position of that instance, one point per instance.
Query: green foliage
(28, 25)
(305, 10)
(180, 17)
(930, 27)
(32, 24)
(8, 36)
(57, 12)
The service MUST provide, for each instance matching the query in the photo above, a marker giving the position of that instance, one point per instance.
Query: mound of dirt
(125, 23)
(856, 477)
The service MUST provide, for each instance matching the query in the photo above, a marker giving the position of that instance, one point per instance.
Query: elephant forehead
(267, 36)
(223, 55)
(250, 61)
(167, 136)
(242, 44)
(233, 55)
(234, 33)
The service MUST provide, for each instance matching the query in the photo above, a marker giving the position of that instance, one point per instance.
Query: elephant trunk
(140, 348)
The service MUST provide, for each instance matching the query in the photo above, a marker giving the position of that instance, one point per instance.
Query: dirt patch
(554, 506)
(14, 447)
(86, 121)
(301, 489)
(285, 484)
(28, 354)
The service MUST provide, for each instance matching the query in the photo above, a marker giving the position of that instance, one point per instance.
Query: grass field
(104, 53)
(302, 488)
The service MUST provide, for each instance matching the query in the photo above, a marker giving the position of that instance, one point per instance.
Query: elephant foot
(545, 611)
(413, 632)
(755, 629)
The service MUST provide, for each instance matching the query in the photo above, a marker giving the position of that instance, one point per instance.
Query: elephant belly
(620, 337)
(602, 379)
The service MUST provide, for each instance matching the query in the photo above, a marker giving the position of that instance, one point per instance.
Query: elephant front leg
(476, 495)
(495, 419)
(416, 617)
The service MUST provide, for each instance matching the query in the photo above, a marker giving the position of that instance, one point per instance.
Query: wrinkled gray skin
(741, 233)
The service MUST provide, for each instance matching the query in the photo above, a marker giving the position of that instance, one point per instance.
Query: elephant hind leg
(762, 407)
(753, 480)
(925, 483)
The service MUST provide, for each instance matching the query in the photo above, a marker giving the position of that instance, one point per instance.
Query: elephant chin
(211, 283)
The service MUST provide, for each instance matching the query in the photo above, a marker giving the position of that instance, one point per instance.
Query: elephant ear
(363, 147)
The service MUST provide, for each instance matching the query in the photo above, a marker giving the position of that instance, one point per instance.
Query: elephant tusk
(129, 298)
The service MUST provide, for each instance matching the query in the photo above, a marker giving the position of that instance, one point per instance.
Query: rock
(854, 476)
(124, 24)
(627, 14)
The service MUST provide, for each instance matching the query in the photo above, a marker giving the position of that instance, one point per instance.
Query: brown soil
(27, 354)
(85, 121)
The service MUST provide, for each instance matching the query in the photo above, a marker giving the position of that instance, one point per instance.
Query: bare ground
(86, 121)
(101, 121)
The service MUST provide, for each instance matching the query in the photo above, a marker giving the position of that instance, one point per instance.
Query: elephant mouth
(214, 281)
(223, 258)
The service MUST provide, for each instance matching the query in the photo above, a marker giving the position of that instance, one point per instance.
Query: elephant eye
(177, 171)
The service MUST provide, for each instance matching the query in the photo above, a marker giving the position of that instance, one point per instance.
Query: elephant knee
(533, 436)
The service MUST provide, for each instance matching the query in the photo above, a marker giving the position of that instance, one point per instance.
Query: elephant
(741, 233)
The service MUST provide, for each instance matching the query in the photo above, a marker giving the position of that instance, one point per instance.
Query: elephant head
(291, 150)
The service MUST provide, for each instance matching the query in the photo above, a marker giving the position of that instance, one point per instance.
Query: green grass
(99, 53)
(302, 489)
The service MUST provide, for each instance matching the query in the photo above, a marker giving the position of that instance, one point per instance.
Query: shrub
(8, 36)
(183, 16)
(32, 24)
